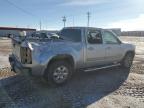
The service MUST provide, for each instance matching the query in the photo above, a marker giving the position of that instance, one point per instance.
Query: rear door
(113, 47)
(95, 49)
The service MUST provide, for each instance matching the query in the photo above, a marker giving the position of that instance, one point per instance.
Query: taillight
(26, 57)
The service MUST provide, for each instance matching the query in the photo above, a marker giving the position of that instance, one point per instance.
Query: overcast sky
(125, 14)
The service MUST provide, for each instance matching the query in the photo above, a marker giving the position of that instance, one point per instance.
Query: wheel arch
(130, 51)
(127, 52)
(66, 57)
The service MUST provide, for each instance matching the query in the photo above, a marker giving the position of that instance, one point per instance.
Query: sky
(125, 14)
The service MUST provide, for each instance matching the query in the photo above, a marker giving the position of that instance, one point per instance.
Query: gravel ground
(84, 90)
(109, 88)
(139, 43)
(5, 49)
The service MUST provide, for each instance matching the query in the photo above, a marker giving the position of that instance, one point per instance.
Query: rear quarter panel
(73, 49)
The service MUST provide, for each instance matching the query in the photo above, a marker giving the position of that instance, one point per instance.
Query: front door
(113, 47)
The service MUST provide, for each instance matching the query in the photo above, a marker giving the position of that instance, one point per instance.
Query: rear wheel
(128, 60)
(58, 73)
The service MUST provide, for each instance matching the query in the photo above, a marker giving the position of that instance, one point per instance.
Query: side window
(94, 37)
(109, 38)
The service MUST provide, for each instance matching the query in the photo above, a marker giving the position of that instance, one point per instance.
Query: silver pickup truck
(73, 48)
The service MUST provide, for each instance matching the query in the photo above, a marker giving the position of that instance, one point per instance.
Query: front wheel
(128, 60)
(58, 73)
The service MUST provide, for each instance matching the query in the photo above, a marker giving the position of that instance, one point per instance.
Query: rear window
(71, 34)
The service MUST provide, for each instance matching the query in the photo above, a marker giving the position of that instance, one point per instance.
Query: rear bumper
(17, 67)
(35, 69)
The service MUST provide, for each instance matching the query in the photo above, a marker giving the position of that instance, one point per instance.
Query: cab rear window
(71, 34)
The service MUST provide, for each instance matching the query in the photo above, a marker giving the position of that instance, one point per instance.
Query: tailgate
(16, 51)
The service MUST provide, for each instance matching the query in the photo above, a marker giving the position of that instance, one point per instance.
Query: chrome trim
(92, 69)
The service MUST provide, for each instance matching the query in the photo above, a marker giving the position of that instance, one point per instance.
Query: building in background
(5, 31)
(47, 31)
(132, 33)
(117, 31)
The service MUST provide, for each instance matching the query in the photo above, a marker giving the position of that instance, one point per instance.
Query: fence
(132, 33)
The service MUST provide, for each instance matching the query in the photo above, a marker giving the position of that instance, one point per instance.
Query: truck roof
(81, 27)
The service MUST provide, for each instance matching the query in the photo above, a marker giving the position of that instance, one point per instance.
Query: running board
(93, 69)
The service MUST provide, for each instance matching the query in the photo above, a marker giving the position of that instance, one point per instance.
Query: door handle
(90, 48)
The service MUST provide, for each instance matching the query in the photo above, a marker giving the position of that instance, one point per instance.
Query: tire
(128, 60)
(58, 73)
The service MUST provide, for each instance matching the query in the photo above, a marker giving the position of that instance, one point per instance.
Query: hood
(129, 46)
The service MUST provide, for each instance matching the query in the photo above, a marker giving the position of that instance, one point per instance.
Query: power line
(40, 24)
(24, 11)
(21, 9)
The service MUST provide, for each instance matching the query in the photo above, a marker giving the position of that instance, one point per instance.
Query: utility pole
(40, 24)
(88, 15)
(73, 22)
(64, 20)
(27, 26)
